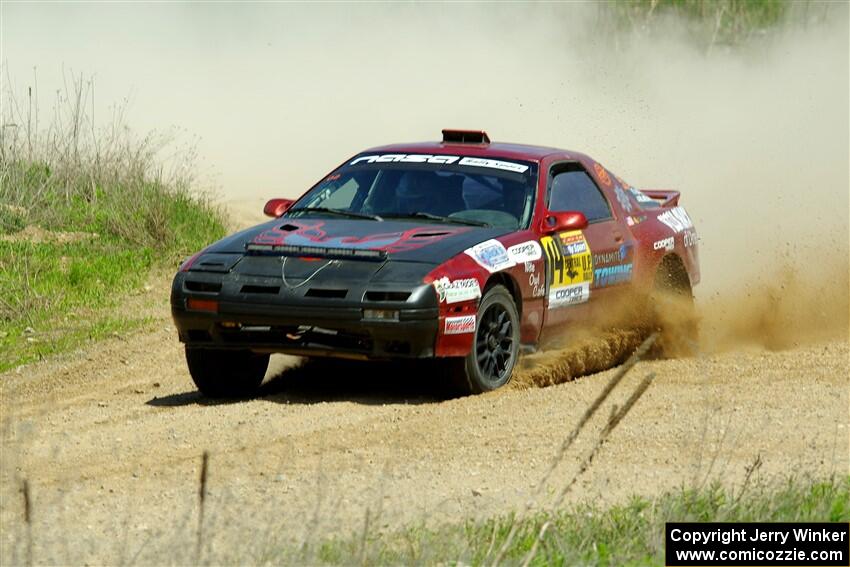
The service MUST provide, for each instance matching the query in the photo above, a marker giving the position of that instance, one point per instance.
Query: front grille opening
(198, 336)
(268, 289)
(326, 293)
(387, 295)
(202, 286)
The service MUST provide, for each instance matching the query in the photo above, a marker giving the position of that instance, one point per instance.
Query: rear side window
(572, 189)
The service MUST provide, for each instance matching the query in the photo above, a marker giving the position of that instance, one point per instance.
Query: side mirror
(560, 222)
(276, 207)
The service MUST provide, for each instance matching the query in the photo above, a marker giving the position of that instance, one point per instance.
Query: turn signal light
(208, 305)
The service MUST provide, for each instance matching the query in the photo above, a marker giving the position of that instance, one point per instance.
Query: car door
(584, 267)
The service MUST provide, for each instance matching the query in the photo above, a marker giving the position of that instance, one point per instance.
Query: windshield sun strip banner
(443, 160)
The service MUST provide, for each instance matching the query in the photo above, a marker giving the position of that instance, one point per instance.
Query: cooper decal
(569, 295)
(455, 291)
(490, 255)
(677, 219)
(664, 244)
(569, 270)
(459, 325)
(525, 252)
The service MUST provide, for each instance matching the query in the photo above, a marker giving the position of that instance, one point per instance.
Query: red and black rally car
(462, 251)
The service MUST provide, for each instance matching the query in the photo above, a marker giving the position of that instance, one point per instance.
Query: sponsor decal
(442, 159)
(623, 199)
(612, 275)
(664, 244)
(490, 255)
(494, 164)
(690, 237)
(525, 252)
(640, 195)
(569, 268)
(573, 244)
(612, 257)
(455, 291)
(536, 284)
(677, 219)
(569, 295)
(633, 220)
(602, 174)
(535, 281)
(459, 325)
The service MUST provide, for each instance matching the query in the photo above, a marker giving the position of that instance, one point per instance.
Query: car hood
(429, 243)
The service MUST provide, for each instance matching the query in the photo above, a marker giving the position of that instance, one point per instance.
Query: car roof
(494, 149)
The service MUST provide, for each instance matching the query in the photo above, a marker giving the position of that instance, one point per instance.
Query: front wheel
(491, 361)
(226, 373)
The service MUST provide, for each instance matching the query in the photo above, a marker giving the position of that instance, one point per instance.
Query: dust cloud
(755, 137)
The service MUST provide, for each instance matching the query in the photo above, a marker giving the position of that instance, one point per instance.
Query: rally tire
(495, 348)
(674, 314)
(226, 373)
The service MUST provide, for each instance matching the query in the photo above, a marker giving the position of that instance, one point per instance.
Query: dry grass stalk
(617, 415)
(202, 497)
(25, 492)
(570, 439)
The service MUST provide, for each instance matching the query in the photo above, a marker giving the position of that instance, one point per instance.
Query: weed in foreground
(85, 214)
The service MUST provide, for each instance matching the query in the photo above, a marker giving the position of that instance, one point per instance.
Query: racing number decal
(569, 268)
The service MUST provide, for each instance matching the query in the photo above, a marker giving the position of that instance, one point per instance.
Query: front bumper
(294, 323)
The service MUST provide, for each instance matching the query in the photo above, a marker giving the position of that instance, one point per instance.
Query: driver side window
(572, 189)
(342, 196)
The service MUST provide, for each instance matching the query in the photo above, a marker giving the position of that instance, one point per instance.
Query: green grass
(711, 22)
(83, 222)
(632, 534)
(56, 295)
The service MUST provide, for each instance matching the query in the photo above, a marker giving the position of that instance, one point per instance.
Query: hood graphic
(319, 234)
(398, 240)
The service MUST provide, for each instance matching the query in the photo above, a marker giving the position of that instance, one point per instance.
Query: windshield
(437, 188)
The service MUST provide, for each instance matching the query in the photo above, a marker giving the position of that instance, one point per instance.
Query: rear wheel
(491, 361)
(226, 373)
(673, 311)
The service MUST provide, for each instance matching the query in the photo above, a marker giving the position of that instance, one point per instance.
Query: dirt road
(110, 440)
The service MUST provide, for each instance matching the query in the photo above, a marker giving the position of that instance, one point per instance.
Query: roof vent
(465, 137)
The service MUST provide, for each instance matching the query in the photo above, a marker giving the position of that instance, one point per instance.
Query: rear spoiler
(664, 197)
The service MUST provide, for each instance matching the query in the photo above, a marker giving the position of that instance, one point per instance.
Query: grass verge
(85, 216)
(632, 534)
